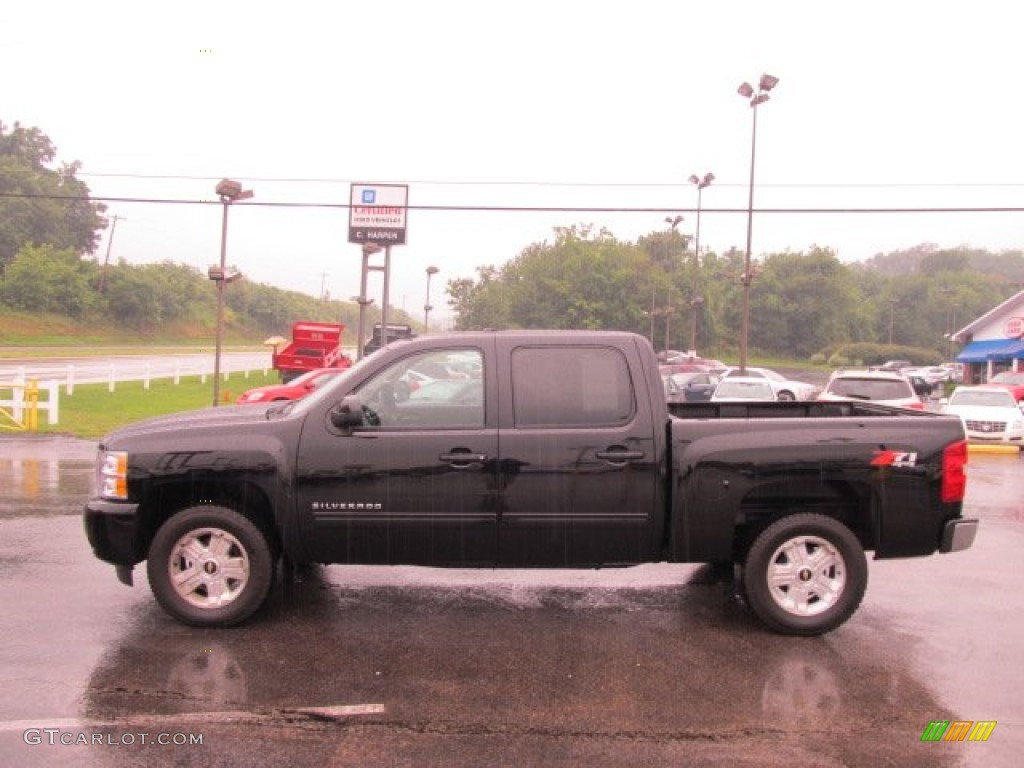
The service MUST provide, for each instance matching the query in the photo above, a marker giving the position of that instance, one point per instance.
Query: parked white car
(785, 389)
(990, 414)
(734, 389)
(876, 386)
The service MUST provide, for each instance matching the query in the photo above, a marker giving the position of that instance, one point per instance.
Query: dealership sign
(1014, 327)
(377, 213)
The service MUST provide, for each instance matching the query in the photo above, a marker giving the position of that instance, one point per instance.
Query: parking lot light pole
(756, 98)
(673, 222)
(695, 304)
(431, 271)
(229, 191)
(700, 183)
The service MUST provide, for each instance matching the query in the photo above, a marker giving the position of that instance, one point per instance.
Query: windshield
(983, 398)
(322, 390)
(871, 389)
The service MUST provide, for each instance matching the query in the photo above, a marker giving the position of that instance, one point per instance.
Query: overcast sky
(880, 104)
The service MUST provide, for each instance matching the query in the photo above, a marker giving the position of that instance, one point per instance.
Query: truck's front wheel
(805, 574)
(210, 566)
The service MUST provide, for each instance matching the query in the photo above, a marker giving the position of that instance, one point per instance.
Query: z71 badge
(894, 459)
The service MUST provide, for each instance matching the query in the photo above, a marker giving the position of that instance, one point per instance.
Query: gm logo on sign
(369, 196)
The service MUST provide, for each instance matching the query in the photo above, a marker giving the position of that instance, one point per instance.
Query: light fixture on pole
(756, 98)
(229, 191)
(431, 271)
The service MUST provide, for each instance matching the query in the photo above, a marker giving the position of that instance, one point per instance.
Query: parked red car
(295, 389)
(1011, 380)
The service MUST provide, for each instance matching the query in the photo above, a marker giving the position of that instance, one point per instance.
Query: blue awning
(1008, 351)
(991, 349)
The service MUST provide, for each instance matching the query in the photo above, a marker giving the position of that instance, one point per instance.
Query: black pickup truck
(534, 449)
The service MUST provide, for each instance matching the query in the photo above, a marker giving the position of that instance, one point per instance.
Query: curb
(1005, 450)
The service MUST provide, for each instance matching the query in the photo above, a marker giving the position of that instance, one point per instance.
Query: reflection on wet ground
(995, 473)
(45, 476)
(571, 669)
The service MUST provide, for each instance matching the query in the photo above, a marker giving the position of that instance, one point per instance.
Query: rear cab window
(571, 387)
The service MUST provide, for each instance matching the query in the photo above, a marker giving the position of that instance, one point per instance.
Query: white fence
(112, 370)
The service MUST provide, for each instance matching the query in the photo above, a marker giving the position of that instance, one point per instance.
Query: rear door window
(571, 387)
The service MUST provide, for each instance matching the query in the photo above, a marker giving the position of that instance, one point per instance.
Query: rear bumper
(111, 528)
(958, 535)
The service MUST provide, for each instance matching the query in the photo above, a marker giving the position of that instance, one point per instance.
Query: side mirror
(348, 413)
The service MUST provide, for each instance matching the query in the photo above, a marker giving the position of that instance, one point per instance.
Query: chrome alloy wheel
(208, 567)
(806, 575)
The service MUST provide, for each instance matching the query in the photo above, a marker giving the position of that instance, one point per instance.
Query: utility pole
(106, 261)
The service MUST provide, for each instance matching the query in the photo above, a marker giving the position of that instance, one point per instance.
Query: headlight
(112, 475)
(252, 398)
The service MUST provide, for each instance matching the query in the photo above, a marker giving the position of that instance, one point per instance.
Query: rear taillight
(954, 478)
(918, 406)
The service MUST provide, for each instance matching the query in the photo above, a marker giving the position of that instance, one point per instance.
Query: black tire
(210, 566)
(786, 395)
(805, 574)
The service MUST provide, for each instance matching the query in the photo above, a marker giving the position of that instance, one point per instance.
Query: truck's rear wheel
(805, 574)
(210, 566)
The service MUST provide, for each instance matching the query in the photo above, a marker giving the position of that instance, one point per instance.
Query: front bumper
(111, 528)
(995, 438)
(958, 535)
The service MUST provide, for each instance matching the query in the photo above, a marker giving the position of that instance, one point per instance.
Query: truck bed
(790, 409)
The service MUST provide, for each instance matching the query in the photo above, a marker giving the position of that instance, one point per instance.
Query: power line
(535, 208)
(570, 184)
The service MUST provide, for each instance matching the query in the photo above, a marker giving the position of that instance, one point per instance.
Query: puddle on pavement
(44, 487)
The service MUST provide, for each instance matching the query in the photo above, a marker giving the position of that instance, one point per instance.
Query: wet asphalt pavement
(655, 665)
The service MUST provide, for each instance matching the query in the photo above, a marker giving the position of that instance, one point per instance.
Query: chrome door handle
(463, 458)
(619, 456)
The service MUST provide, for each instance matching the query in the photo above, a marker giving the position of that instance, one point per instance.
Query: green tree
(40, 204)
(585, 279)
(804, 301)
(42, 278)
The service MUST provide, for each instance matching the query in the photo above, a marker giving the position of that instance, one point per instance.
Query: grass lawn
(92, 410)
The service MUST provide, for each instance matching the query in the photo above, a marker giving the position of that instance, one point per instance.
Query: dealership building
(993, 342)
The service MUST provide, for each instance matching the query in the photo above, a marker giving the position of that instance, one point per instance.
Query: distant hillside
(928, 258)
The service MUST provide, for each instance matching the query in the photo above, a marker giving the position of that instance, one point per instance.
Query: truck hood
(216, 419)
(984, 413)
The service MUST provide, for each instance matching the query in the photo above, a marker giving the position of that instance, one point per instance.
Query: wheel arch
(169, 497)
(846, 502)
